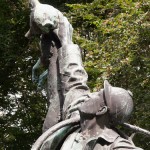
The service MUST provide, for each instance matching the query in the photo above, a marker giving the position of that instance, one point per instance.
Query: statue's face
(44, 29)
(92, 106)
(48, 25)
(46, 18)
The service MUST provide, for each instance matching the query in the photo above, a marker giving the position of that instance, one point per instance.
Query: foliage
(22, 109)
(114, 37)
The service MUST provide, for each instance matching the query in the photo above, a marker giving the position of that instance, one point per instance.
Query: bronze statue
(89, 120)
(55, 31)
(53, 28)
(100, 113)
(45, 18)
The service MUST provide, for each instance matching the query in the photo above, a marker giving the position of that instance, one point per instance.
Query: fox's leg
(35, 67)
(42, 77)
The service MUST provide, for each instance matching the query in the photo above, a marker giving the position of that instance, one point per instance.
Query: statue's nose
(48, 24)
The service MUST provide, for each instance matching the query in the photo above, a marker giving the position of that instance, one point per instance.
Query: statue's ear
(33, 3)
(30, 5)
(102, 111)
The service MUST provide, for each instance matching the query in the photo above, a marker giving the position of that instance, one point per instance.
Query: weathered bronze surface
(88, 119)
